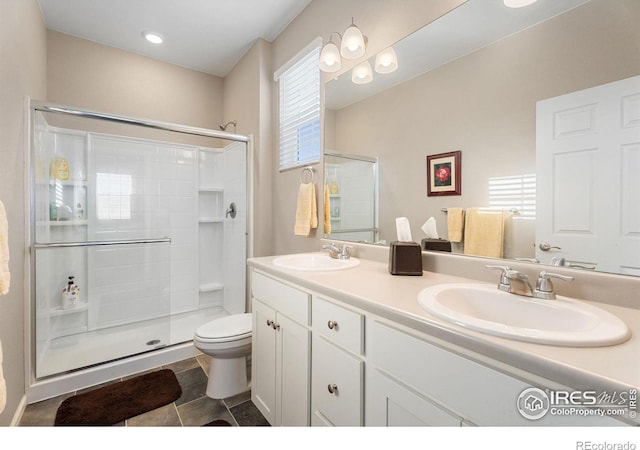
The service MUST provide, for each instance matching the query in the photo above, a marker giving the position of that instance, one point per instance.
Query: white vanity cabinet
(411, 381)
(337, 388)
(321, 361)
(281, 342)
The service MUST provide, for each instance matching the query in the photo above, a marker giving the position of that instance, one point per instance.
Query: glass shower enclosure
(138, 235)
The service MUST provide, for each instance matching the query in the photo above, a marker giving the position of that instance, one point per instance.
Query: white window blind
(299, 82)
(514, 193)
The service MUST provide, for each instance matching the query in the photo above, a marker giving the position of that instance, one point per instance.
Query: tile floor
(193, 408)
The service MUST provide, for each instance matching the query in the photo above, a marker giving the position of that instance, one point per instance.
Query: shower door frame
(42, 388)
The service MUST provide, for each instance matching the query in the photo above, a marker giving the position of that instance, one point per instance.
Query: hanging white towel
(5, 276)
(306, 210)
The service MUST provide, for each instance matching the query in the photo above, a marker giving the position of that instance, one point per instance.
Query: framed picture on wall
(444, 174)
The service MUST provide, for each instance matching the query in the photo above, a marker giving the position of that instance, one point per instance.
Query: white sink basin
(314, 262)
(563, 321)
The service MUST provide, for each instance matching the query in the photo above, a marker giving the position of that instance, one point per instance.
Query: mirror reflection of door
(588, 161)
(352, 184)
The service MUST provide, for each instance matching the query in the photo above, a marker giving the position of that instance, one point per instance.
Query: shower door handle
(231, 211)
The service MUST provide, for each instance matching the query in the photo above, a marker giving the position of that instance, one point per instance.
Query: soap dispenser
(70, 295)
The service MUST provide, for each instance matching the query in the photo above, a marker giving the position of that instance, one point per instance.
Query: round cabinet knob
(333, 388)
(332, 324)
(269, 323)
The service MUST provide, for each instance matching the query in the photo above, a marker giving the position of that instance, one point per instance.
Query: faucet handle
(344, 253)
(544, 284)
(504, 276)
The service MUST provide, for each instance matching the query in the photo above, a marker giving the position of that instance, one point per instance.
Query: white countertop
(370, 287)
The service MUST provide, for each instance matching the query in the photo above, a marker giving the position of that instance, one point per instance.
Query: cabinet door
(389, 404)
(293, 371)
(337, 384)
(263, 361)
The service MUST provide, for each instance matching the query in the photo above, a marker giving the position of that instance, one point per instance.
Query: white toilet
(227, 340)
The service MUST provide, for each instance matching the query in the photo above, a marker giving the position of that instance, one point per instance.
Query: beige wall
(383, 25)
(247, 99)
(23, 60)
(484, 104)
(88, 75)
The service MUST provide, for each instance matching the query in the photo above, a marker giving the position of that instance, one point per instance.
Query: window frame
(300, 140)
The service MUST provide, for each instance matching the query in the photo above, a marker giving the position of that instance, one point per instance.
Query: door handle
(545, 247)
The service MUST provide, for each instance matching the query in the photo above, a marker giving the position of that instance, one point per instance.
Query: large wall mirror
(474, 86)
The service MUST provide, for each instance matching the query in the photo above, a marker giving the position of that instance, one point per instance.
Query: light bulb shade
(386, 61)
(330, 58)
(362, 73)
(518, 3)
(352, 45)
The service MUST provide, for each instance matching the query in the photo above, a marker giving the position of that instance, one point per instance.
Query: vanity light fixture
(518, 3)
(352, 46)
(152, 37)
(386, 61)
(353, 43)
(330, 56)
(362, 73)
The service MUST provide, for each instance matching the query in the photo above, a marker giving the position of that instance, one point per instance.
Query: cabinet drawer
(338, 324)
(337, 384)
(292, 302)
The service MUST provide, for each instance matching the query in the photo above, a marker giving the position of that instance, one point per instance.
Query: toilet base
(227, 377)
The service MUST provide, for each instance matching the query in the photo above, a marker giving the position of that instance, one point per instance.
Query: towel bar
(511, 210)
(98, 243)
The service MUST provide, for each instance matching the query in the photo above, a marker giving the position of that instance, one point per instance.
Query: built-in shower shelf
(73, 183)
(210, 287)
(59, 311)
(211, 220)
(211, 189)
(66, 223)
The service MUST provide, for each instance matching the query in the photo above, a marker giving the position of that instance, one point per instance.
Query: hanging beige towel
(484, 232)
(5, 276)
(3, 385)
(455, 223)
(327, 210)
(306, 210)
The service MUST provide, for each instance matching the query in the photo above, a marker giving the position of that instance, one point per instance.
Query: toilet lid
(231, 327)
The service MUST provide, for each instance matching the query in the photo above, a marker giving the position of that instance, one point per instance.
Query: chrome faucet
(515, 282)
(336, 252)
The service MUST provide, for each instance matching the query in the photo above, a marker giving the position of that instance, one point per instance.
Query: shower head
(223, 126)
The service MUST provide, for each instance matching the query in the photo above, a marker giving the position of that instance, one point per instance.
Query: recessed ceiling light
(518, 3)
(152, 37)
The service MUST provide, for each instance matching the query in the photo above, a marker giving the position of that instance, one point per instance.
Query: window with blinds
(299, 83)
(514, 193)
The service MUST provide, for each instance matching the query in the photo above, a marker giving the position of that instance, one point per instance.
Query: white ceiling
(205, 35)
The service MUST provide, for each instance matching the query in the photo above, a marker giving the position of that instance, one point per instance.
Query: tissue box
(405, 258)
(438, 245)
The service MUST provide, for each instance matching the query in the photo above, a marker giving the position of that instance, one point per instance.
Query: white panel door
(588, 161)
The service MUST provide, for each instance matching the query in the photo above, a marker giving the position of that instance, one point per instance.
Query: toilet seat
(231, 328)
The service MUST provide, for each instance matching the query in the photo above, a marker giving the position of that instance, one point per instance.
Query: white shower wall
(150, 192)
